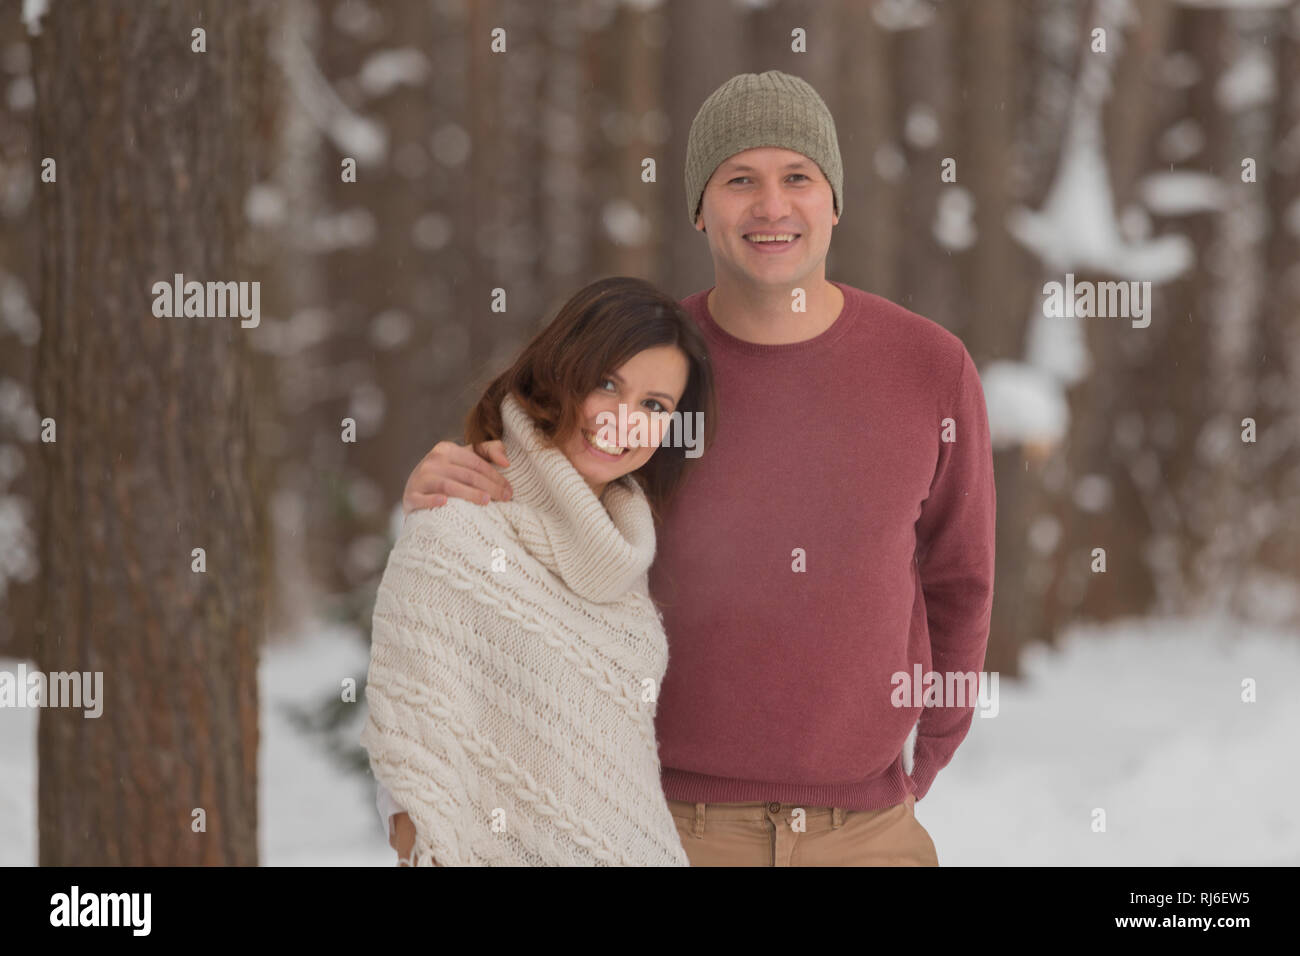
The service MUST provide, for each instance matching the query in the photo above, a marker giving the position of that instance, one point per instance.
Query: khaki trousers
(762, 834)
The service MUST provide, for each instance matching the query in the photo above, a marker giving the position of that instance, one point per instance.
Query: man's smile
(772, 241)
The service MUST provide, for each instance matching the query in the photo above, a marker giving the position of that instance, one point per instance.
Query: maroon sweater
(779, 681)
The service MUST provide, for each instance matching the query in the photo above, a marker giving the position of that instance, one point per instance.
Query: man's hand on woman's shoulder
(457, 471)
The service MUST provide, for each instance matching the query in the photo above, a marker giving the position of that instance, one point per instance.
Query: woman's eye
(658, 406)
(606, 381)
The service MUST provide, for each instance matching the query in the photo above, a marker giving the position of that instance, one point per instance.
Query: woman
(516, 654)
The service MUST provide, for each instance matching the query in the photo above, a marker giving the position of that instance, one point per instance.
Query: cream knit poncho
(515, 665)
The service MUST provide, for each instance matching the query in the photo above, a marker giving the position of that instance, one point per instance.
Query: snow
(265, 206)
(358, 19)
(902, 14)
(1077, 228)
(389, 329)
(352, 228)
(388, 69)
(922, 126)
(1236, 4)
(954, 218)
(33, 10)
(353, 135)
(21, 94)
(17, 316)
(1247, 83)
(1181, 141)
(17, 412)
(1093, 493)
(431, 231)
(450, 144)
(18, 560)
(311, 812)
(890, 162)
(1181, 193)
(1044, 533)
(1142, 718)
(624, 223)
(1025, 404)
(18, 551)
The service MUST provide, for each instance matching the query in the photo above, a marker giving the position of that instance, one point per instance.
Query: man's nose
(772, 203)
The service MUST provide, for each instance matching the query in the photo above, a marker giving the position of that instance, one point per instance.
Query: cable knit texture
(515, 663)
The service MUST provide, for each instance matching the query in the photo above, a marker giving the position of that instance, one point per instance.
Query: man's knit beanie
(761, 109)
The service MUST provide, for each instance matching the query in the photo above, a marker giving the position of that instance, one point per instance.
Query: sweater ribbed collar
(599, 547)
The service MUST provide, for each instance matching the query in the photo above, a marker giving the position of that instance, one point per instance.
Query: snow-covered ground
(312, 811)
(1144, 720)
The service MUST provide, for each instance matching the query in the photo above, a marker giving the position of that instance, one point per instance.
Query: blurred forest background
(1170, 154)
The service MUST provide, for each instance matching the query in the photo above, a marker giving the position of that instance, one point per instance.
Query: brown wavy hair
(602, 326)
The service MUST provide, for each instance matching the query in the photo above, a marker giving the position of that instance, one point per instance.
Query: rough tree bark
(152, 457)
(19, 327)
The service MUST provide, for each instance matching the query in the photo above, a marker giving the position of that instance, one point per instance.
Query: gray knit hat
(761, 109)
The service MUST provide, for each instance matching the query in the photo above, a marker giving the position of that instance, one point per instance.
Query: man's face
(759, 193)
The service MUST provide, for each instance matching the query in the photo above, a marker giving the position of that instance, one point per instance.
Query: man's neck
(766, 316)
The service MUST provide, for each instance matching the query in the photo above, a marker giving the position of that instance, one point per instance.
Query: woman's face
(647, 387)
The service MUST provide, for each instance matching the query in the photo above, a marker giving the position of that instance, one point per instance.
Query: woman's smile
(598, 448)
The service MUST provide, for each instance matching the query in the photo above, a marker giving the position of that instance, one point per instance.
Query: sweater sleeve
(388, 808)
(955, 551)
(414, 706)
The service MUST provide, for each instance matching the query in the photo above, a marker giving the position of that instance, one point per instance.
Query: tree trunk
(19, 328)
(152, 457)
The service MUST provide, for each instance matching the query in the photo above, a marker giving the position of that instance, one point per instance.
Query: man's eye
(739, 178)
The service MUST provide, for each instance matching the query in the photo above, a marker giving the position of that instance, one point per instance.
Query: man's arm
(955, 550)
(457, 471)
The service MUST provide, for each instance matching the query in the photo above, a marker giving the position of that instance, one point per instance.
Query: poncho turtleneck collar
(599, 547)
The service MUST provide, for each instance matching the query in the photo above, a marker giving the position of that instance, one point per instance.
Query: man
(835, 541)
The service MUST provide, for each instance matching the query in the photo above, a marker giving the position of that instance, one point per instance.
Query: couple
(637, 657)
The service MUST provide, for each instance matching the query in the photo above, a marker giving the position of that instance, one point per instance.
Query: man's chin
(784, 276)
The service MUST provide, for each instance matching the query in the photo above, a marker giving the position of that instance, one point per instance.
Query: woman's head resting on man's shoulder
(619, 381)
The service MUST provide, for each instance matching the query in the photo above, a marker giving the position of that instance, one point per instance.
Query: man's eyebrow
(739, 168)
(668, 398)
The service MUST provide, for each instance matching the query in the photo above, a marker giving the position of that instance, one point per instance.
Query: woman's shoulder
(456, 521)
